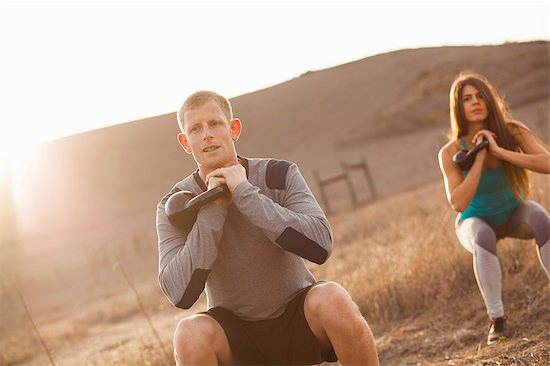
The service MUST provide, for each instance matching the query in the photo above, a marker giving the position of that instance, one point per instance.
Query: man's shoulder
(265, 163)
(273, 171)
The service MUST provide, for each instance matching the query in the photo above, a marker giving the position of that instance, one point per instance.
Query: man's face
(210, 136)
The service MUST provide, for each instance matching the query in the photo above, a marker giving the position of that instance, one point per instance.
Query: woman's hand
(489, 136)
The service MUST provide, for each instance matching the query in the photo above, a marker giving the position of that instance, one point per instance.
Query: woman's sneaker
(498, 331)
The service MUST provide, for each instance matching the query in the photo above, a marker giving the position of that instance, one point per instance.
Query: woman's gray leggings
(529, 220)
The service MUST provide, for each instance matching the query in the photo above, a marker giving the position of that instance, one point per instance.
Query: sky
(73, 66)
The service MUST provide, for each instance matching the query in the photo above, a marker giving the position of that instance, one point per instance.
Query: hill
(390, 109)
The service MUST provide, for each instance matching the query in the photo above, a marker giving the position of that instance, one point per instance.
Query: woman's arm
(460, 191)
(534, 157)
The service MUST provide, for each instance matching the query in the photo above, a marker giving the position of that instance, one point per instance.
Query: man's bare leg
(335, 319)
(200, 340)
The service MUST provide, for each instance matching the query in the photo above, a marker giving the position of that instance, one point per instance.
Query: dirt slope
(380, 109)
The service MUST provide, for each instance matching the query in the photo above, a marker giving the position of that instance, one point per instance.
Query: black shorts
(285, 340)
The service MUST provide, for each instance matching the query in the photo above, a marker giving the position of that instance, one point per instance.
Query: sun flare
(13, 157)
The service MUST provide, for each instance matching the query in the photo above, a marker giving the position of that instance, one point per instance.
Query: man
(265, 307)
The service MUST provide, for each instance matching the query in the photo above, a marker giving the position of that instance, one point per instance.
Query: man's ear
(236, 128)
(183, 142)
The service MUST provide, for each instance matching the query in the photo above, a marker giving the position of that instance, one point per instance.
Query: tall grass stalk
(14, 285)
(140, 304)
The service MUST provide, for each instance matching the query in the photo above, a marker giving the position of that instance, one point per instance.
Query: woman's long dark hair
(498, 117)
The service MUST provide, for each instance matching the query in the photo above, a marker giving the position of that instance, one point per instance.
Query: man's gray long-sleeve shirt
(249, 255)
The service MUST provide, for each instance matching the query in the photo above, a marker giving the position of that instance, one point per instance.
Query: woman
(492, 196)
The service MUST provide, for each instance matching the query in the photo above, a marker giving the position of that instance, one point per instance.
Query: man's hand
(214, 182)
(231, 176)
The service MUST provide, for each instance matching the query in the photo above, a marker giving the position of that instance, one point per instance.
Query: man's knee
(194, 333)
(331, 302)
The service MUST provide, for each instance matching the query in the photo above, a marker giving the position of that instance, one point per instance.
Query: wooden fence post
(321, 186)
(321, 183)
(350, 184)
(370, 181)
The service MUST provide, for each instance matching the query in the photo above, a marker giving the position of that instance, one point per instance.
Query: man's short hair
(199, 98)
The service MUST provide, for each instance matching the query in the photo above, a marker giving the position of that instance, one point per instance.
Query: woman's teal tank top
(493, 200)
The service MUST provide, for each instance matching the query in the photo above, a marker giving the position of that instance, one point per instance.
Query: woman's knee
(474, 231)
(486, 238)
(540, 223)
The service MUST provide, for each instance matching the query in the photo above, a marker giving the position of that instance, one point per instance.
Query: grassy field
(100, 303)
(414, 283)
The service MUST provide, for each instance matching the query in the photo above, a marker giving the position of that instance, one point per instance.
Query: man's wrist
(240, 188)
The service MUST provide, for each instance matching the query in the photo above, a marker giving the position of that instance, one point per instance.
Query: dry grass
(398, 257)
(403, 265)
